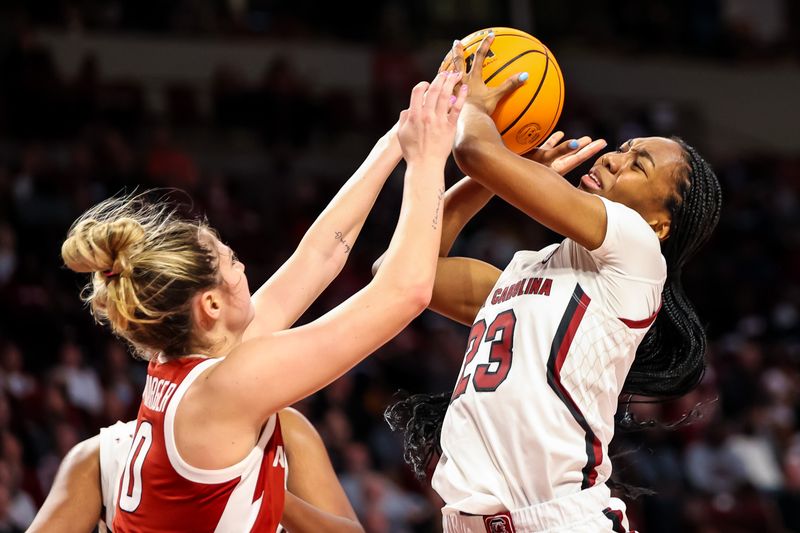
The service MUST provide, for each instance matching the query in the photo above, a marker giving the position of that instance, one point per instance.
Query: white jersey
(533, 410)
(115, 443)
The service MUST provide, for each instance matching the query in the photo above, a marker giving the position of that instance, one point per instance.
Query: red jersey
(159, 491)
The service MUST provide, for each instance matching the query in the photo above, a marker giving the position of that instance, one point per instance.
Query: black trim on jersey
(554, 380)
(616, 520)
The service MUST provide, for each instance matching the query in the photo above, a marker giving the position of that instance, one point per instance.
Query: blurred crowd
(732, 29)
(266, 161)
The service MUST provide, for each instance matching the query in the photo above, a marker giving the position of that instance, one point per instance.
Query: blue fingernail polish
(523, 76)
(573, 144)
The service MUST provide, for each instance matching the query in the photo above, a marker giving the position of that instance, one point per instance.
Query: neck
(220, 341)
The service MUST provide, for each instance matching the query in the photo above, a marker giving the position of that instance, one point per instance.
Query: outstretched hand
(565, 156)
(427, 128)
(479, 93)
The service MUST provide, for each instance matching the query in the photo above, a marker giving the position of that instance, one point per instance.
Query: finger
(418, 95)
(569, 147)
(552, 140)
(455, 109)
(480, 56)
(457, 55)
(566, 163)
(509, 85)
(435, 89)
(446, 97)
(591, 150)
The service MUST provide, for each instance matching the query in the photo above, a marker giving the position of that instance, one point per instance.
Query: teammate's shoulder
(84, 455)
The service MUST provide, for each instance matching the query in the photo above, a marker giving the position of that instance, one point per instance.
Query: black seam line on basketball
(498, 71)
(496, 35)
(561, 392)
(539, 88)
(552, 125)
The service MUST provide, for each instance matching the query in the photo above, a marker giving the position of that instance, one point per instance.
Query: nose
(613, 161)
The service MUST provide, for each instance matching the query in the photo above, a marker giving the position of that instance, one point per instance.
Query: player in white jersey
(561, 332)
(88, 480)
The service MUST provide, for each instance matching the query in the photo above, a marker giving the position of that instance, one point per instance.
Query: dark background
(238, 104)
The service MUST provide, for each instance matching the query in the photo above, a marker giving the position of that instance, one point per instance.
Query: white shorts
(588, 511)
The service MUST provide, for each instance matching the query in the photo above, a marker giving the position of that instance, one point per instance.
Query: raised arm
(315, 500)
(323, 251)
(462, 284)
(302, 360)
(533, 188)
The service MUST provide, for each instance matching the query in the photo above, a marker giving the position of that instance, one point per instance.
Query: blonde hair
(147, 264)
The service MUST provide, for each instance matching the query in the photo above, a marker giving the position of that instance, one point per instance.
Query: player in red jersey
(84, 491)
(208, 453)
(561, 332)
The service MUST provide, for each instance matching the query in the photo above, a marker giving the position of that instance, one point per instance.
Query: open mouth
(591, 181)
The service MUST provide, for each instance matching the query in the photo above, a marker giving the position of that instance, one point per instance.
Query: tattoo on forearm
(340, 237)
(435, 221)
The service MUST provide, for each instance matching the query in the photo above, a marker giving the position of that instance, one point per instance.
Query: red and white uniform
(528, 428)
(159, 491)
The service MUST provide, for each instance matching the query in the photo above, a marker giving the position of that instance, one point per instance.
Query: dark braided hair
(669, 362)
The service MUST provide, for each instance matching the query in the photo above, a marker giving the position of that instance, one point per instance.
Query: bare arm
(323, 251)
(315, 501)
(302, 360)
(74, 502)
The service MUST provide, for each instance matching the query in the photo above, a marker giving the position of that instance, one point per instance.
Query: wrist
(477, 104)
(426, 164)
(390, 143)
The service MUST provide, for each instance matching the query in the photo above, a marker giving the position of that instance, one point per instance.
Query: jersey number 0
(130, 493)
(500, 334)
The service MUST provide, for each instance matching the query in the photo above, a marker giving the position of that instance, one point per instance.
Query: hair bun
(101, 246)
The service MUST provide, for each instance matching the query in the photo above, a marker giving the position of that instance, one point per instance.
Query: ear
(208, 306)
(661, 227)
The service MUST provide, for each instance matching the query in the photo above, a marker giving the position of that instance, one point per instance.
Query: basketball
(529, 114)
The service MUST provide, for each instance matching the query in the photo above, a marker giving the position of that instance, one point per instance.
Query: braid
(671, 359)
(419, 418)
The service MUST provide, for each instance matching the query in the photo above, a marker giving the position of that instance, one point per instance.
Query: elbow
(412, 300)
(419, 298)
(468, 151)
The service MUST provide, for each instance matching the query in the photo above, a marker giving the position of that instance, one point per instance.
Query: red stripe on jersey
(565, 334)
(569, 334)
(616, 518)
(641, 324)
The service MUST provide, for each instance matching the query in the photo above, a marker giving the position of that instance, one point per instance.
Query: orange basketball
(528, 115)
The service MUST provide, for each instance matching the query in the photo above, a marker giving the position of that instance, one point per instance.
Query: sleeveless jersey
(532, 412)
(159, 491)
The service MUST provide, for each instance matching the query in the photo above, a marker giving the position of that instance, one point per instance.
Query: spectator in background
(21, 507)
(79, 380)
(711, 466)
(19, 384)
(8, 253)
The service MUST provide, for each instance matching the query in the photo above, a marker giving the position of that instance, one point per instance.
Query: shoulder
(628, 224)
(84, 456)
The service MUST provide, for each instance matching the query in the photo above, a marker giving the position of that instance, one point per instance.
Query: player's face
(642, 174)
(239, 310)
